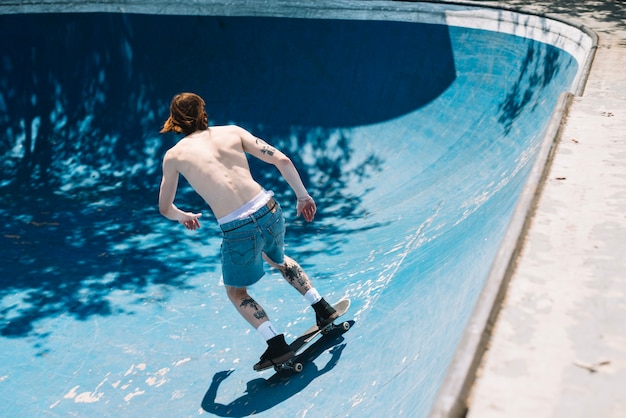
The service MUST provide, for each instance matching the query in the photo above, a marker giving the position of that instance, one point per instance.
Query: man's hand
(306, 207)
(190, 220)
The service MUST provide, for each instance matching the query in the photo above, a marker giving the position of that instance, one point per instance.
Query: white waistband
(248, 208)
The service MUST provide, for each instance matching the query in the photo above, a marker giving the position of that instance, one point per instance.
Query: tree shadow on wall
(540, 66)
(543, 62)
(77, 105)
(65, 256)
(66, 253)
(82, 97)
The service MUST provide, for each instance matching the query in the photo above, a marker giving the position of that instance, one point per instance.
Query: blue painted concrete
(415, 140)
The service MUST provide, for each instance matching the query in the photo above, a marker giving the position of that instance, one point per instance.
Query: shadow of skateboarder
(262, 395)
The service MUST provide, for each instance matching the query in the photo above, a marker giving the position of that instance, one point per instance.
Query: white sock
(312, 296)
(267, 330)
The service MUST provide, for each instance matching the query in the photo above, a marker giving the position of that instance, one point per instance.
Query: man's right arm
(265, 152)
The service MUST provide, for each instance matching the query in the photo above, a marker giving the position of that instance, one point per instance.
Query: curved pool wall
(416, 126)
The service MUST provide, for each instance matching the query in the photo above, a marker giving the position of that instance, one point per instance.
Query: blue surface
(415, 140)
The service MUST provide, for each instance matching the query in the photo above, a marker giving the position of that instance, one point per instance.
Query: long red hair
(187, 115)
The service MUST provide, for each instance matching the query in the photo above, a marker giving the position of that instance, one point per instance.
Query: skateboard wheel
(298, 367)
(345, 326)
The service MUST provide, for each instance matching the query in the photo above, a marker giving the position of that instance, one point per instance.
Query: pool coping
(452, 398)
(455, 389)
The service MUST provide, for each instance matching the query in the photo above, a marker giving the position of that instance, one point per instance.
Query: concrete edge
(451, 400)
(583, 75)
(454, 391)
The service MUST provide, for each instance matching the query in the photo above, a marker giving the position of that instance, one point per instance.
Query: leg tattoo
(295, 275)
(249, 302)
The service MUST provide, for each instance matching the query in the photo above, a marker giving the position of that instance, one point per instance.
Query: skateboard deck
(303, 341)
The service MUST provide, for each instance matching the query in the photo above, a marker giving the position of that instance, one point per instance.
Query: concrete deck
(558, 348)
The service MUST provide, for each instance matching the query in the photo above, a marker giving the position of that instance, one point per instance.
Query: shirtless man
(214, 163)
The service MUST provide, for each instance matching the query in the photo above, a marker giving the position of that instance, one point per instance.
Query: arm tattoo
(268, 150)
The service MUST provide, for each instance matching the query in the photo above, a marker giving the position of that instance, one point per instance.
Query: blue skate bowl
(415, 130)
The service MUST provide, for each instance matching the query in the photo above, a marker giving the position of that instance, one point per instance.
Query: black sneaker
(324, 313)
(277, 352)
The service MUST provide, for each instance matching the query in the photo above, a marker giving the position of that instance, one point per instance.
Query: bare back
(214, 162)
(215, 165)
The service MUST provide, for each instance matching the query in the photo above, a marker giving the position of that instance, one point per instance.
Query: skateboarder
(213, 160)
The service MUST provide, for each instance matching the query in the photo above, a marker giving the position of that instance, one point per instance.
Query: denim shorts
(244, 241)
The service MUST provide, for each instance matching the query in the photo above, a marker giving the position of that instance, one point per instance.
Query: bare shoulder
(172, 154)
(232, 136)
(170, 162)
(177, 152)
(227, 130)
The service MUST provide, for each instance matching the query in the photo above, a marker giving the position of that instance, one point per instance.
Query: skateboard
(303, 341)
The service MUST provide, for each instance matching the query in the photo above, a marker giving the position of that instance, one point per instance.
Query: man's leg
(293, 273)
(277, 349)
(246, 306)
